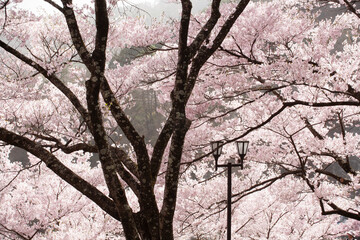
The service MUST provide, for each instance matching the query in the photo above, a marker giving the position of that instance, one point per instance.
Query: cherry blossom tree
(268, 71)
(75, 42)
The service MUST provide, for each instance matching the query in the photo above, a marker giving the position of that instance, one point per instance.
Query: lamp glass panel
(242, 147)
(216, 148)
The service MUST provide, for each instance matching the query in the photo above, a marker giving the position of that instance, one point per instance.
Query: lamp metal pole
(229, 202)
(229, 167)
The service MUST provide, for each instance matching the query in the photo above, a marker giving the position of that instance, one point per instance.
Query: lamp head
(242, 147)
(216, 147)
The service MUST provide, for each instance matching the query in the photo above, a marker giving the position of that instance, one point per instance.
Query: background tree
(290, 89)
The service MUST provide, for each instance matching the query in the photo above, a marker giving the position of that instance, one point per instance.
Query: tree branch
(337, 210)
(205, 31)
(113, 183)
(204, 53)
(160, 145)
(351, 8)
(4, 4)
(52, 78)
(339, 179)
(172, 179)
(119, 157)
(61, 170)
(262, 185)
(52, 3)
(76, 35)
(17, 174)
(102, 29)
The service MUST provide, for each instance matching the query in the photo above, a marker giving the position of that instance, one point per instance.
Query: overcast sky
(154, 7)
(37, 5)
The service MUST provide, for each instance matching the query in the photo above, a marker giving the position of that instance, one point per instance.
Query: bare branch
(3, 4)
(262, 185)
(338, 210)
(76, 35)
(339, 179)
(17, 174)
(52, 78)
(52, 3)
(351, 8)
(206, 29)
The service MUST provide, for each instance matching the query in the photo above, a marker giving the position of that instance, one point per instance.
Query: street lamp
(216, 147)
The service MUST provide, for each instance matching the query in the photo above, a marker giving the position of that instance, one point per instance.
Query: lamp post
(242, 147)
